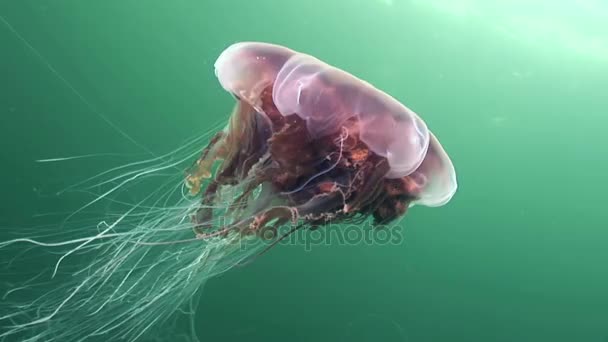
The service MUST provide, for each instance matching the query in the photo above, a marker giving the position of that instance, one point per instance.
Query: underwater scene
(341, 170)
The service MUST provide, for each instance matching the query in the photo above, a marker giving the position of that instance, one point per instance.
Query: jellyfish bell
(434, 182)
(325, 97)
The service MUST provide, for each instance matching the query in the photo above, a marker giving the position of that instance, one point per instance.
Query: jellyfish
(306, 145)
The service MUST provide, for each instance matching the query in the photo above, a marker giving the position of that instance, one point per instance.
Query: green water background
(516, 91)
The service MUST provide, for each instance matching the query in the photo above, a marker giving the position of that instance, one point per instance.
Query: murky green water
(517, 91)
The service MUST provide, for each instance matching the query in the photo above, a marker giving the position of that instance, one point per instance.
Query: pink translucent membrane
(435, 179)
(325, 97)
(246, 69)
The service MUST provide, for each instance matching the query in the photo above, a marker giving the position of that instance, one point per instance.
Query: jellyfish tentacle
(282, 215)
(203, 215)
(368, 189)
(323, 208)
(272, 245)
(339, 141)
(242, 197)
(264, 223)
(216, 233)
(201, 168)
(223, 147)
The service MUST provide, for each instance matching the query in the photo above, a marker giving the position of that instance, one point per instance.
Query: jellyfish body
(329, 145)
(307, 144)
